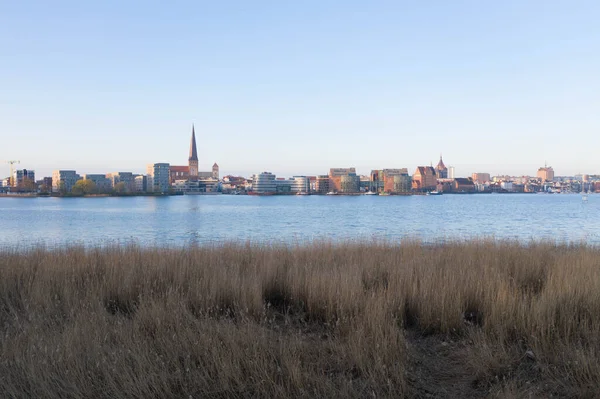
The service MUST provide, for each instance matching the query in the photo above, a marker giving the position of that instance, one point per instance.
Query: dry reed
(315, 320)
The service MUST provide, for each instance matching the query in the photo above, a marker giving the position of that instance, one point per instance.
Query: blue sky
(299, 87)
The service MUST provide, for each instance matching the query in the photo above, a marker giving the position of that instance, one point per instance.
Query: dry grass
(322, 320)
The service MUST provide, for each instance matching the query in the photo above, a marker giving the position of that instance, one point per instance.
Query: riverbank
(348, 320)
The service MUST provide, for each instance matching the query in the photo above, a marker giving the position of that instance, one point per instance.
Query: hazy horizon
(296, 89)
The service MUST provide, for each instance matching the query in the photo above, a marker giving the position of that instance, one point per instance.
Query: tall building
(451, 172)
(440, 170)
(215, 171)
(193, 159)
(64, 180)
(158, 177)
(546, 173)
(23, 178)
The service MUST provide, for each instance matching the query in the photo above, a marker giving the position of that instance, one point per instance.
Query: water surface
(182, 220)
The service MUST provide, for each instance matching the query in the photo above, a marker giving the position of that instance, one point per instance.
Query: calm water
(200, 219)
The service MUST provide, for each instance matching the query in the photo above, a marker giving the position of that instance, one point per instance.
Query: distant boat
(332, 193)
(371, 193)
(302, 193)
(435, 192)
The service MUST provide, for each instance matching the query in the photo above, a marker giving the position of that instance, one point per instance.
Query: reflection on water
(188, 220)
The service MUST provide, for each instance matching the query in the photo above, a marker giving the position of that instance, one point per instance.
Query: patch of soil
(438, 367)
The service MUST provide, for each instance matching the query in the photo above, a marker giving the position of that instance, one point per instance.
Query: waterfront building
(264, 183)
(322, 184)
(103, 184)
(335, 178)
(140, 183)
(440, 170)
(424, 179)
(349, 183)
(401, 183)
(24, 179)
(215, 171)
(463, 185)
(479, 177)
(545, 174)
(158, 177)
(64, 180)
(389, 179)
(300, 184)
(126, 178)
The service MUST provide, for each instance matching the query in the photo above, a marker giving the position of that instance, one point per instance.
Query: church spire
(193, 152)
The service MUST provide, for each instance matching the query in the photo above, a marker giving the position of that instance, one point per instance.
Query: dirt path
(438, 368)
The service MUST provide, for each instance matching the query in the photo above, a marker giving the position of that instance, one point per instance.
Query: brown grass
(367, 319)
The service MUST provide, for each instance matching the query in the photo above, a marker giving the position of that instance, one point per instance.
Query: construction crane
(12, 171)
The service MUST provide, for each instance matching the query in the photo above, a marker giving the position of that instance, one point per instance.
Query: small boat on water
(435, 192)
(302, 193)
(371, 193)
(332, 193)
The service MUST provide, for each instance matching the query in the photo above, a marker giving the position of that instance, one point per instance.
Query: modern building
(424, 179)
(335, 178)
(264, 183)
(64, 180)
(125, 179)
(158, 178)
(402, 184)
(480, 177)
(141, 182)
(440, 170)
(389, 179)
(451, 172)
(545, 174)
(301, 184)
(322, 184)
(103, 184)
(349, 183)
(23, 179)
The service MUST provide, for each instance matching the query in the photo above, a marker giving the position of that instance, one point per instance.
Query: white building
(158, 178)
(300, 184)
(264, 183)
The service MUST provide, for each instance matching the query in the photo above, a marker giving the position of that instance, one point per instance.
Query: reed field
(353, 320)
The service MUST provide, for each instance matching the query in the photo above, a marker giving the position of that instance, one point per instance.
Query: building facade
(424, 179)
(545, 174)
(24, 179)
(264, 183)
(64, 180)
(479, 177)
(158, 178)
(335, 178)
(103, 184)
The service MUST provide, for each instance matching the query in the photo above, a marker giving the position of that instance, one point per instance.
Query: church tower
(215, 171)
(193, 159)
(441, 170)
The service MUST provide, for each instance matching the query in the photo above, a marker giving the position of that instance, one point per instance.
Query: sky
(298, 87)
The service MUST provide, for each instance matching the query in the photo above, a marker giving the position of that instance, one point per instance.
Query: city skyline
(299, 88)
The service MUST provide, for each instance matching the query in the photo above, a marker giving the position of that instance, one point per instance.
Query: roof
(179, 168)
(193, 152)
(463, 180)
(215, 164)
(440, 165)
